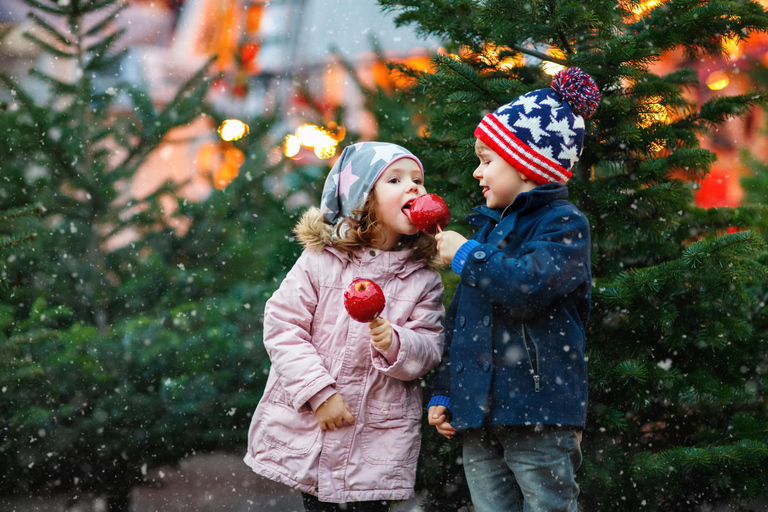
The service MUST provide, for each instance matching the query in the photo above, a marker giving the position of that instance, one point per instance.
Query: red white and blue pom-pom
(578, 89)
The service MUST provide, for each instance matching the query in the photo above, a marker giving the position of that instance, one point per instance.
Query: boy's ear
(523, 177)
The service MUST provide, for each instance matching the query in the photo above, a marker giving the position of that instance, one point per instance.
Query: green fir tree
(676, 341)
(158, 354)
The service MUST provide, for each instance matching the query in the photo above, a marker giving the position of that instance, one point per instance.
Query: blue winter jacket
(514, 348)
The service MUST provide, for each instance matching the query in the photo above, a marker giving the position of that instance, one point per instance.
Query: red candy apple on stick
(429, 213)
(364, 300)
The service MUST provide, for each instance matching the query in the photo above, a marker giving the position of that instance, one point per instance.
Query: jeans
(516, 469)
(312, 504)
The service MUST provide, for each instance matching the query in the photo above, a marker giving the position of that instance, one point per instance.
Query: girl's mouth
(406, 209)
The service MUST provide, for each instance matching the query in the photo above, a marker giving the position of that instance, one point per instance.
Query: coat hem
(347, 496)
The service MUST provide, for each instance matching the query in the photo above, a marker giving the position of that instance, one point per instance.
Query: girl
(339, 419)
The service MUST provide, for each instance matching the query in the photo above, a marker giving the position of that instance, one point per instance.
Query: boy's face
(501, 183)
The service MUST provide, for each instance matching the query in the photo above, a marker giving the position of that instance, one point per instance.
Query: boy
(513, 377)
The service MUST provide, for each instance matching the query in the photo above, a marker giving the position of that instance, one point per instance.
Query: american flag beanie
(541, 133)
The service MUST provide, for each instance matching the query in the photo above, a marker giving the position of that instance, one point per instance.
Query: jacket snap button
(471, 280)
(486, 366)
(486, 320)
(459, 368)
(372, 253)
(462, 320)
(480, 255)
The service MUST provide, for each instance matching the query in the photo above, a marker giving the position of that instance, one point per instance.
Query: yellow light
(233, 129)
(657, 145)
(717, 80)
(552, 68)
(311, 136)
(325, 152)
(491, 53)
(731, 47)
(652, 112)
(291, 146)
(645, 7)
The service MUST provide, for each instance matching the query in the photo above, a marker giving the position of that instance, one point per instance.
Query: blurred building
(270, 54)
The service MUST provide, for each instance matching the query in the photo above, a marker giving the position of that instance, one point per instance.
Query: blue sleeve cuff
(460, 258)
(440, 400)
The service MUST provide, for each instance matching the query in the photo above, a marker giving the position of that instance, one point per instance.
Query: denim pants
(516, 469)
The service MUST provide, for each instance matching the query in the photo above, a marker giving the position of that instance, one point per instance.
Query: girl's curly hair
(360, 230)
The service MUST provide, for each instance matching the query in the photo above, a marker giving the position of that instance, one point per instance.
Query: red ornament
(248, 52)
(364, 300)
(429, 211)
(719, 188)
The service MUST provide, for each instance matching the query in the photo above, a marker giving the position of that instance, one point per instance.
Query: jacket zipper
(534, 371)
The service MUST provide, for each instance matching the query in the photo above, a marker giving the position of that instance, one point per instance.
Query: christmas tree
(676, 342)
(158, 352)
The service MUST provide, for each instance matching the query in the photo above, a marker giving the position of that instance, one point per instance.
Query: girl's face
(400, 184)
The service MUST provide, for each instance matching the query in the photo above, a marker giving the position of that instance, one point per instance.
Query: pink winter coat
(317, 349)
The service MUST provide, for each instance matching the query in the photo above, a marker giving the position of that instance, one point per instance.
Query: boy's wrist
(460, 258)
(443, 400)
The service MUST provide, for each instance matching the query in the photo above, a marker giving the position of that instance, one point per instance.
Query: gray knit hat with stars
(355, 173)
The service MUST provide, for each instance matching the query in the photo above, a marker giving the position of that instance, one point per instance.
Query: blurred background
(155, 156)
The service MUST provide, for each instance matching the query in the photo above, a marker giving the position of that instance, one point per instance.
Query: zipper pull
(537, 383)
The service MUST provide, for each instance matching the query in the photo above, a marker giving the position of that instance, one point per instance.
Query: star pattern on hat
(532, 124)
(346, 180)
(386, 152)
(528, 101)
(562, 127)
(569, 152)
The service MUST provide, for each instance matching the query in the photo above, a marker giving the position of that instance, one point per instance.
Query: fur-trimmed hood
(312, 232)
(315, 234)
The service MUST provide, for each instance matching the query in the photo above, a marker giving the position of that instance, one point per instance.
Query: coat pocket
(391, 433)
(287, 430)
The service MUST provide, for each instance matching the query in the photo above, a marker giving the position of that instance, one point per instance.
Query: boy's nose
(477, 173)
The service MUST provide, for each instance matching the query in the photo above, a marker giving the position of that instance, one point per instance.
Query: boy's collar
(539, 196)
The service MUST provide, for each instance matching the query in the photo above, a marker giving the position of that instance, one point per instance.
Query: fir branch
(45, 8)
(15, 213)
(63, 39)
(109, 18)
(538, 55)
(49, 47)
(58, 85)
(11, 241)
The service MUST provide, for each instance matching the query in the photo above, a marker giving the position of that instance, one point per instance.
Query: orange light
(732, 47)
(291, 146)
(233, 129)
(491, 53)
(652, 112)
(552, 68)
(718, 80)
(644, 7)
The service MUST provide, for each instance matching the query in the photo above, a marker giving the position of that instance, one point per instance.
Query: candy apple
(427, 212)
(364, 300)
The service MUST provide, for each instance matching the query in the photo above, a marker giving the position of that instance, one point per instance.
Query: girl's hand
(448, 242)
(333, 413)
(381, 333)
(437, 418)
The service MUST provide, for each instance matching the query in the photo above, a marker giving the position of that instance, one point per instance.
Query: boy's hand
(381, 333)
(448, 242)
(437, 418)
(333, 413)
